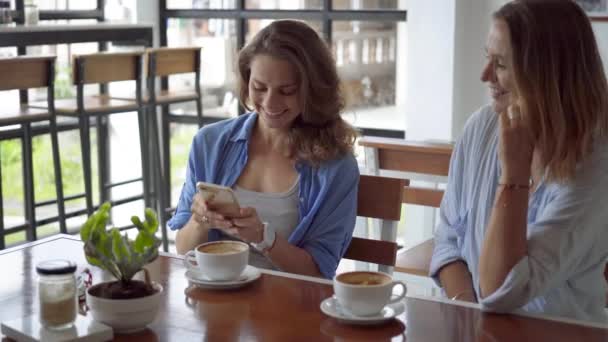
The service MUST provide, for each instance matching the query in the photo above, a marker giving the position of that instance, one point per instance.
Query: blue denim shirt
(562, 273)
(328, 194)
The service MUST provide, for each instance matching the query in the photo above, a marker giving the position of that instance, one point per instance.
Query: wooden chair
(102, 68)
(379, 198)
(26, 73)
(412, 159)
(163, 62)
(417, 260)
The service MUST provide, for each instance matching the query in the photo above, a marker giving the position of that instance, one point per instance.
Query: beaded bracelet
(510, 186)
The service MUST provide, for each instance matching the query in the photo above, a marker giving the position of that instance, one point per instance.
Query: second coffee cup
(219, 260)
(366, 293)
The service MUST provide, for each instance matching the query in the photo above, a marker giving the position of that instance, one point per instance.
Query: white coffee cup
(218, 260)
(366, 293)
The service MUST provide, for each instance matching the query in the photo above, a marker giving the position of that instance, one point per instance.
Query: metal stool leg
(156, 165)
(103, 161)
(145, 164)
(165, 144)
(58, 176)
(2, 243)
(85, 146)
(28, 183)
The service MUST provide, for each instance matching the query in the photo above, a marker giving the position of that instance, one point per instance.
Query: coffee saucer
(197, 278)
(332, 308)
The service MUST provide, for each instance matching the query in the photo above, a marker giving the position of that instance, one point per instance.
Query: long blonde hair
(560, 79)
(319, 134)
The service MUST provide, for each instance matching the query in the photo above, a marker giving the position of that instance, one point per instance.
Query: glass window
(367, 61)
(201, 4)
(71, 5)
(218, 57)
(283, 4)
(368, 4)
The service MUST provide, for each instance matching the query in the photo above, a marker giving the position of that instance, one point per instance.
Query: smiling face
(274, 90)
(498, 71)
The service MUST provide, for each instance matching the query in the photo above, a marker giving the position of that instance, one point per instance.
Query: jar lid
(55, 267)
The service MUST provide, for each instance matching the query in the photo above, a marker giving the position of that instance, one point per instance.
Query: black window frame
(325, 14)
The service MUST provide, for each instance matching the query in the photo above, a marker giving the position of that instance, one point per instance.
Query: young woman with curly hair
(289, 161)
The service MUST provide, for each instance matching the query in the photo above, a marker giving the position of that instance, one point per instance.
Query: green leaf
(143, 240)
(117, 254)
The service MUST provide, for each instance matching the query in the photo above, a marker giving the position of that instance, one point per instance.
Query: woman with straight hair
(523, 222)
(289, 161)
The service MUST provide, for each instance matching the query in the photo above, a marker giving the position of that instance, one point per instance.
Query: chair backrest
(107, 67)
(27, 72)
(170, 61)
(422, 157)
(380, 198)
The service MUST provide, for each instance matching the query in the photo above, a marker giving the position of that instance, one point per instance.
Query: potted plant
(125, 304)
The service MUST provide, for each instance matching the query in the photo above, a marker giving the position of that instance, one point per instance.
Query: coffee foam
(222, 248)
(364, 278)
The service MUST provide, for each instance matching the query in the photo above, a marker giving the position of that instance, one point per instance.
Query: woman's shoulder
(343, 166)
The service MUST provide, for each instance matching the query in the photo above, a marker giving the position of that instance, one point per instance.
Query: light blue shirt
(562, 274)
(328, 194)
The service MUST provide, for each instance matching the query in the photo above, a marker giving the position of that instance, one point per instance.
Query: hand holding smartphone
(220, 198)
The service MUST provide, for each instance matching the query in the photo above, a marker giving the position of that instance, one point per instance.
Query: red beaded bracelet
(510, 186)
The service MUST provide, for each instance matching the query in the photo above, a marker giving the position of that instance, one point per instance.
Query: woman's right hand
(204, 214)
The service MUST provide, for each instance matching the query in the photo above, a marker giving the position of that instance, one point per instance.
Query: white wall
(430, 26)
(445, 57)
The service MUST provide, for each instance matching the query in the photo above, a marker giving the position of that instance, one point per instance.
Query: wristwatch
(268, 240)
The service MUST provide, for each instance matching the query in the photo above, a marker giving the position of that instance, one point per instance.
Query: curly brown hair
(319, 133)
(560, 77)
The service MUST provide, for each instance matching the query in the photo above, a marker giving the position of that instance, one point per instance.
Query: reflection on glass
(365, 54)
(255, 25)
(201, 4)
(217, 37)
(367, 4)
(283, 4)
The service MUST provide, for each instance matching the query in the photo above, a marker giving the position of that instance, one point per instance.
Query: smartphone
(220, 198)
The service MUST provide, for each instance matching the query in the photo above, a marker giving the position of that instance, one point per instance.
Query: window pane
(367, 60)
(201, 4)
(255, 25)
(368, 4)
(217, 37)
(283, 4)
(66, 4)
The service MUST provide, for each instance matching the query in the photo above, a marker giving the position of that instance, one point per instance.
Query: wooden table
(277, 307)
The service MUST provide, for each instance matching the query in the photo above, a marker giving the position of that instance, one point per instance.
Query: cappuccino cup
(366, 293)
(218, 260)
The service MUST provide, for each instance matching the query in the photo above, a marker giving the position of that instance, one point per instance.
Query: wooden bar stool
(163, 62)
(102, 68)
(25, 73)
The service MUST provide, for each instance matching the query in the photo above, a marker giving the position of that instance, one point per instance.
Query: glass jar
(31, 14)
(57, 293)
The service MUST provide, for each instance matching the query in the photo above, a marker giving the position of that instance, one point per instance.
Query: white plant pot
(125, 315)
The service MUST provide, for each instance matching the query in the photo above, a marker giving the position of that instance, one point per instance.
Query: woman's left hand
(247, 226)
